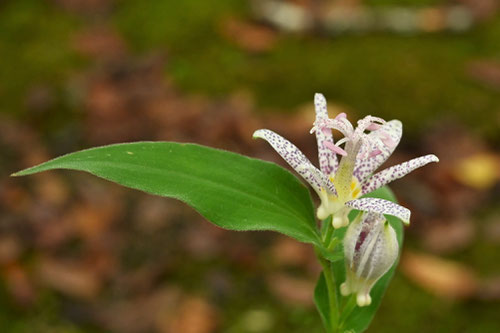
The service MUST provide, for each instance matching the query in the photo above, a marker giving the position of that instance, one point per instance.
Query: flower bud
(370, 249)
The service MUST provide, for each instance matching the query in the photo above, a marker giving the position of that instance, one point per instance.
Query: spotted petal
(296, 159)
(327, 158)
(395, 172)
(376, 205)
(366, 166)
(323, 180)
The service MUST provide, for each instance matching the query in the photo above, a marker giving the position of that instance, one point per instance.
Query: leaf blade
(232, 191)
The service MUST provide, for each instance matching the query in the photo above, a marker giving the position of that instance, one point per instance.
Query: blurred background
(79, 254)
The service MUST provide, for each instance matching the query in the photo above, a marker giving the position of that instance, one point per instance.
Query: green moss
(44, 317)
(35, 49)
(187, 25)
(407, 308)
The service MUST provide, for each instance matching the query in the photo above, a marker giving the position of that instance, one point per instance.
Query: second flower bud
(370, 249)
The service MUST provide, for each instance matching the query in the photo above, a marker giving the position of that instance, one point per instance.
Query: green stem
(332, 293)
(347, 309)
(333, 242)
(329, 232)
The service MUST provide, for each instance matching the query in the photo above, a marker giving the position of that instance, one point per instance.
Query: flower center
(344, 178)
(353, 190)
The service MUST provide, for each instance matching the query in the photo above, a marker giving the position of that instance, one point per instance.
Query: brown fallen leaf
(52, 232)
(482, 9)
(249, 36)
(40, 99)
(193, 315)
(293, 290)
(50, 188)
(91, 220)
(19, 284)
(432, 19)
(101, 42)
(14, 198)
(152, 213)
(69, 278)
(489, 289)
(287, 251)
(10, 249)
(137, 314)
(449, 236)
(442, 277)
(486, 72)
(203, 241)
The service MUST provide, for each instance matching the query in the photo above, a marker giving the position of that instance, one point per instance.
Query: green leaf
(333, 255)
(321, 301)
(359, 319)
(230, 190)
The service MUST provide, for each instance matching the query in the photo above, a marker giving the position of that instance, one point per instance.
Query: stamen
(340, 126)
(341, 141)
(367, 122)
(389, 142)
(362, 125)
(334, 148)
(362, 152)
(320, 125)
(365, 148)
(383, 134)
(375, 153)
(347, 124)
(373, 127)
(340, 116)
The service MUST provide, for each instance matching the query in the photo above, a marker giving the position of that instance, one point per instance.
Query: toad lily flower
(370, 249)
(340, 185)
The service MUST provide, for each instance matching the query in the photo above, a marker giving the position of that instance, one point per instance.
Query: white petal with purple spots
(327, 158)
(294, 157)
(392, 130)
(395, 172)
(323, 180)
(381, 206)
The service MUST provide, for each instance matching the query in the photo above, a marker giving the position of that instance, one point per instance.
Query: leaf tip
(23, 172)
(18, 173)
